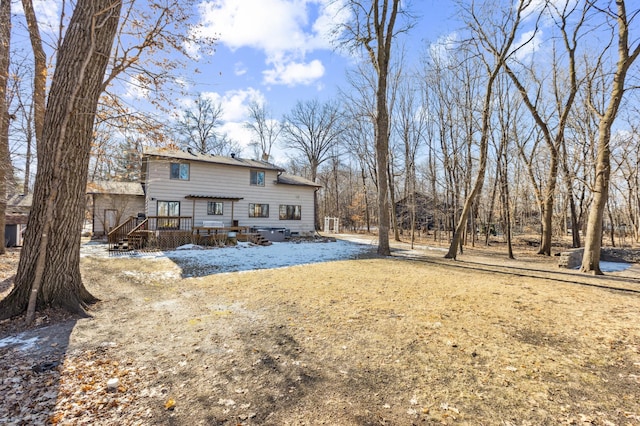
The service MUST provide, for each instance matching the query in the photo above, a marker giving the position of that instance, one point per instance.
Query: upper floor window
(290, 212)
(180, 171)
(258, 210)
(257, 178)
(214, 207)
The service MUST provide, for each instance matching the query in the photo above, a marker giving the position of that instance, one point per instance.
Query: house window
(258, 210)
(180, 171)
(257, 178)
(214, 207)
(168, 209)
(290, 212)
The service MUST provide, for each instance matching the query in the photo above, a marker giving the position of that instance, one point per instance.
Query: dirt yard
(411, 339)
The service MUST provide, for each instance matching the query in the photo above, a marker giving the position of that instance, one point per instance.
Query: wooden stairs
(255, 238)
(127, 236)
(128, 243)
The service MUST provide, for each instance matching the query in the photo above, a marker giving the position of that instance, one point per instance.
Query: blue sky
(272, 51)
(280, 51)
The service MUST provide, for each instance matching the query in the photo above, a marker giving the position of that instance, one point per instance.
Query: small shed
(112, 203)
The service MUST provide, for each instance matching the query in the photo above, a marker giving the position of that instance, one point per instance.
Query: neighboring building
(232, 190)
(112, 203)
(16, 215)
(423, 207)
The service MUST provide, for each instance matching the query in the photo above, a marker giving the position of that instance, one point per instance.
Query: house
(112, 203)
(225, 191)
(16, 216)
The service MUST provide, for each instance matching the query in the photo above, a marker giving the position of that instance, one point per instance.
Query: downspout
(93, 215)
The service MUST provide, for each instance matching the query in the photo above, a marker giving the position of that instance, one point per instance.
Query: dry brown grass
(369, 341)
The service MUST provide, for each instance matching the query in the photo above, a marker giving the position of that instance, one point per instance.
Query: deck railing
(170, 223)
(152, 233)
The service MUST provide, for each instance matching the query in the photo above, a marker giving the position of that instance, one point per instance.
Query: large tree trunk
(382, 156)
(5, 169)
(50, 261)
(547, 209)
(367, 217)
(593, 239)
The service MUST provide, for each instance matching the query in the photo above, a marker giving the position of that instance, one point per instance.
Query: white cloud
(268, 25)
(441, 49)
(294, 73)
(238, 133)
(286, 31)
(135, 89)
(47, 13)
(528, 44)
(235, 102)
(239, 69)
(332, 12)
(182, 83)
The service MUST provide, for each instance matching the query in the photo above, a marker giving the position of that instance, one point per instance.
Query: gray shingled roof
(20, 201)
(287, 179)
(110, 187)
(207, 158)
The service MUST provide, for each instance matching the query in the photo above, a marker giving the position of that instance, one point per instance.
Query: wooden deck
(165, 233)
(216, 236)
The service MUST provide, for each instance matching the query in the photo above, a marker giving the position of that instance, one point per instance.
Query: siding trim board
(212, 197)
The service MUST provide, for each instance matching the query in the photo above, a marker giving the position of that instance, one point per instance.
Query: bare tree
(373, 28)
(499, 45)
(22, 126)
(197, 126)
(563, 103)
(359, 137)
(626, 56)
(411, 126)
(313, 129)
(40, 71)
(264, 127)
(5, 169)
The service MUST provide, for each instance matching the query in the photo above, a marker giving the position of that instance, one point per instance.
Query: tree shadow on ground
(30, 365)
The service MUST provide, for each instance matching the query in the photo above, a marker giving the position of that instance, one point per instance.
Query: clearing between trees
(410, 339)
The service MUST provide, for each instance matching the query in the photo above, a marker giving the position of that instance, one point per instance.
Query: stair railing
(120, 232)
(136, 235)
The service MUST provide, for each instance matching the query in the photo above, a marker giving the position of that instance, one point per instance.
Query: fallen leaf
(170, 404)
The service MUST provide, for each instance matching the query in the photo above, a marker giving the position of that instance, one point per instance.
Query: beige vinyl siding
(232, 181)
(125, 206)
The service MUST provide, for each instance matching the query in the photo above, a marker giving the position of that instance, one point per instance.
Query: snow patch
(22, 342)
(198, 261)
(614, 266)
